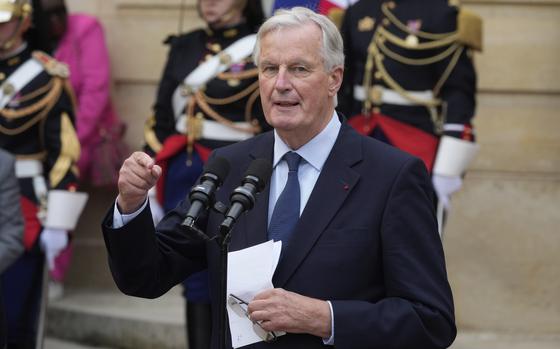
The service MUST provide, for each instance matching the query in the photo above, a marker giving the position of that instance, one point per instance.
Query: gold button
(233, 82)
(2, 76)
(411, 40)
(225, 59)
(376, 94)
(385, 22)
(391, 5)
(378, 75)
(366, 24)
(8, 89)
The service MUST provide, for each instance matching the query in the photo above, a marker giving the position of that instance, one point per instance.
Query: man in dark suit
(363, 266)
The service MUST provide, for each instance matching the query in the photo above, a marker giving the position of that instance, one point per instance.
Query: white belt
(28, 168)
(33, 169)
(389, 96)
(213, 130)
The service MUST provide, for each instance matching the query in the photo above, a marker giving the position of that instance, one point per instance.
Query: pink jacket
(83, 48)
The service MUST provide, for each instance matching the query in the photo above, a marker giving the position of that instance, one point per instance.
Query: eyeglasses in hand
(239, 306)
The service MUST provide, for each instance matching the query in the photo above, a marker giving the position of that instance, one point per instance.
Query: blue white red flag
(320, 6)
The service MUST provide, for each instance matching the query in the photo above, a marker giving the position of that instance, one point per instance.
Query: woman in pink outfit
(78, 40)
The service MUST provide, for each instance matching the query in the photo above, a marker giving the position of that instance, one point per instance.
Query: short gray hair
(332, 48)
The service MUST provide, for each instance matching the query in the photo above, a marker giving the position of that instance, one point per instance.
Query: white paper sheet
(250, 271)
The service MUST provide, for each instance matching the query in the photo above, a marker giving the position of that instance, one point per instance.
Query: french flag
(325, 6)
(320, 6)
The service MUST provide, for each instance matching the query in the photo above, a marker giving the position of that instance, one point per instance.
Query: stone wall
(503, 236)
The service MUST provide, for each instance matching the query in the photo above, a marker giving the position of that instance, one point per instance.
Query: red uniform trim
(173, 145)
(467, 134)
(325, 7)
(403, 136)
(32, 226)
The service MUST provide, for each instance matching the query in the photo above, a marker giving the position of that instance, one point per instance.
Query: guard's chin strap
(8, 44)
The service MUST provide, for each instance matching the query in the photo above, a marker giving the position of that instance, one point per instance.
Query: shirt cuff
(120, 220)
(330, 341)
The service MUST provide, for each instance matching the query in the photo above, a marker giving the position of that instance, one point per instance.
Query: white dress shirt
(314, 152)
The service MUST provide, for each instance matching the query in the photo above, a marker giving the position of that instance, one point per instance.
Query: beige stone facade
(503, 238)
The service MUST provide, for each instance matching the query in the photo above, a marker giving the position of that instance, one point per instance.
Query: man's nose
(282, 79)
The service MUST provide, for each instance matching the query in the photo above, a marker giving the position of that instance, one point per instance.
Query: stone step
(489, 340)
(110, 319)
(86, 318)
(55, 343)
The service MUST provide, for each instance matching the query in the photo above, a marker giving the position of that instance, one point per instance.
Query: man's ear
(335, 80)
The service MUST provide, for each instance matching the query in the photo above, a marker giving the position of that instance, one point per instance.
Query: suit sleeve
(417, 311)
(147, 262)
(11, 221)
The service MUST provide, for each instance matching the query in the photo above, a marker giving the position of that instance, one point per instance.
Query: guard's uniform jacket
(36, 126)
(409, 73)
(208, 97)
(218, 111)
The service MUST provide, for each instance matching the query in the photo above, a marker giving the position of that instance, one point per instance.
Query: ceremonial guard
(410, 81)
(36, 126)
(208, 97)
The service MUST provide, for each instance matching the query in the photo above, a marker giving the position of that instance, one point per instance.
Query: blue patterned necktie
(286, 211)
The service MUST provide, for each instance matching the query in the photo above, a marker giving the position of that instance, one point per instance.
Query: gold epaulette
(150, 135)
(469, 29)
(51, 65)
(336, 15)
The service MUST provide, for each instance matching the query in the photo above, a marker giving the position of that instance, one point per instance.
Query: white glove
(445, 186)
(53, 241)
(155, 207)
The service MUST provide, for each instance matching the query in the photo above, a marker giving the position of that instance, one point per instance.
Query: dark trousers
(21, 290)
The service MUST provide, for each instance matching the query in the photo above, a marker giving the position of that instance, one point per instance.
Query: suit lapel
(335, 183)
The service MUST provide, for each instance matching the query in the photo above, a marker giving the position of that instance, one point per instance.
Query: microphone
(201, 195)
(243, 197)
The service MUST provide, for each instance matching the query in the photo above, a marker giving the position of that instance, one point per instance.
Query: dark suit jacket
(367, 241)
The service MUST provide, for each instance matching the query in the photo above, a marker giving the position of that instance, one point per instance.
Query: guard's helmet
(14, 9)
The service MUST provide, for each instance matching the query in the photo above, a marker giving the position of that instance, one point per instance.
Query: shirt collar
(314, 152)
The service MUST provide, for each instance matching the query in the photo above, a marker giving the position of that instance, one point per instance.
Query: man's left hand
(281, 310)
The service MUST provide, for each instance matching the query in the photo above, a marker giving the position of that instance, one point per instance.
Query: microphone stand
(223, 239)
(243, 199)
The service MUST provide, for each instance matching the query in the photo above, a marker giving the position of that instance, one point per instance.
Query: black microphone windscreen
(218, 166)
(262, 169)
